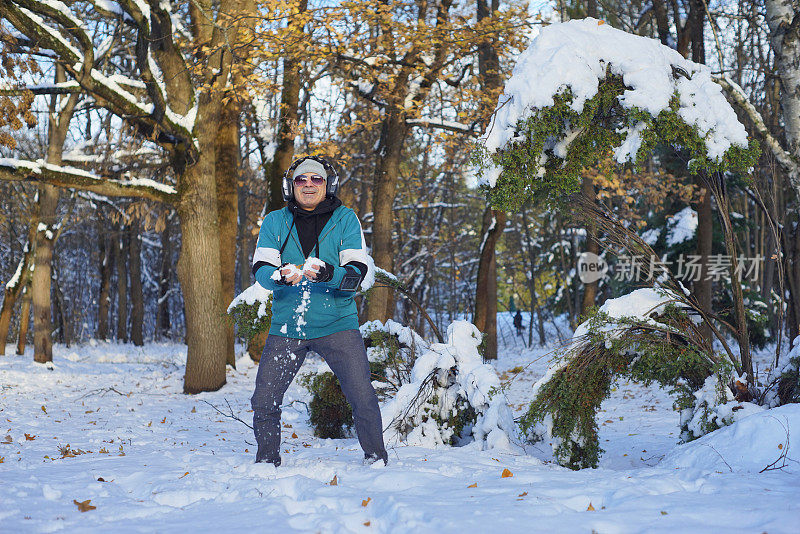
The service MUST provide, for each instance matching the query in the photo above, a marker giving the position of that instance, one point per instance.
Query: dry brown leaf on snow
(473, 485)
(334, 481)
(44, 409)
(294, 435)
(85, 506)
(8, 439)
(183, 475)
(591, 508)
(366, 524)
(366, 501)
(29, 437)
(522, 494)
(194, 410)
(506, 473)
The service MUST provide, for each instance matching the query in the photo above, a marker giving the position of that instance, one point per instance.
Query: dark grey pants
(345, 354)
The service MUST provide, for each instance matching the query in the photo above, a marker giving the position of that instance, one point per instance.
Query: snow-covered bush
(392, 349)
(329, 413)
(583, 90)
(453, 398)
(713, 406)
(251, 310)
(789, 381)
(643, 336)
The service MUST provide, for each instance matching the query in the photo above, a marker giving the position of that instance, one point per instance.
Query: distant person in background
(518, 322)
(312, 256)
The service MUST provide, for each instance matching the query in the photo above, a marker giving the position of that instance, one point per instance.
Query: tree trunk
(702, 288)
(14, 288)
(137, 298)
(244, 241)
(592, 247)
(64, 333)
(24, 320)
(227, 173)
(103, 304)
(288, 119)
(485, 316)
(784, 24)
(121, 242)
(162, 315)
(40, 281)
(199, 263)
(61, 109)
(394, 129)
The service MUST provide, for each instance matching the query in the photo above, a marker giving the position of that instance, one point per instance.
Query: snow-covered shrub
(711, 407)
(789, 381)
(583, 90)
(251, 310)
(329, 413)
(392, 350)
(643, 336)
(453, 398)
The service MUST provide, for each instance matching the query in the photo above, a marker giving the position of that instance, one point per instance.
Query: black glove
(282, 281)
(325, 273)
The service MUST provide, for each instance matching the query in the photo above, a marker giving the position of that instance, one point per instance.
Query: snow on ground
(109, 424)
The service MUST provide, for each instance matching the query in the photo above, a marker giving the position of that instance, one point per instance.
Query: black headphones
(332, 180)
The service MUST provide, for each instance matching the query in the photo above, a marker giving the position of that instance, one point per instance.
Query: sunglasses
(315, 179)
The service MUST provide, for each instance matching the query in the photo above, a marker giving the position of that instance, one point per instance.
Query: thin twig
(229, 415)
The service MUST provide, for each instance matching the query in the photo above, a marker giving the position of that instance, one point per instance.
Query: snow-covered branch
(737, 94)
(443, 125)
(62, 176)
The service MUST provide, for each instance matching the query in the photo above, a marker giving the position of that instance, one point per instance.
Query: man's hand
(317, 270)
(290, 274)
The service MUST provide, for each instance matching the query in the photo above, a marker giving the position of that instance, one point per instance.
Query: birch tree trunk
(783, 18)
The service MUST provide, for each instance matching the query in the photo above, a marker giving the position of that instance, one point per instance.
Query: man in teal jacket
(312, 255)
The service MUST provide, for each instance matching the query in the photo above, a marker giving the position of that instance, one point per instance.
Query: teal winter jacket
(310, 309)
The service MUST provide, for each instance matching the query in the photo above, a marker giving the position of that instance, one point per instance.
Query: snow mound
(577, 55)
(748, 445)
(448, 381)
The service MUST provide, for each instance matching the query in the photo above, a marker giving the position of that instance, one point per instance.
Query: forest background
(142, 142)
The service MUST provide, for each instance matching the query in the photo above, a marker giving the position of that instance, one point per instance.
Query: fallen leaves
(8, 440)
(29, 437)
(366, 501)
(85, 506)
(2, 459)
(506, 473)
(590, 508)
(367, 523)
(334, 481)
(524, 493)
(44, 409)
(194, 410)
(294, 435)
(473, 485)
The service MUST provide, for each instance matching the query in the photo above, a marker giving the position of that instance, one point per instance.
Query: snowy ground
(109, 424)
